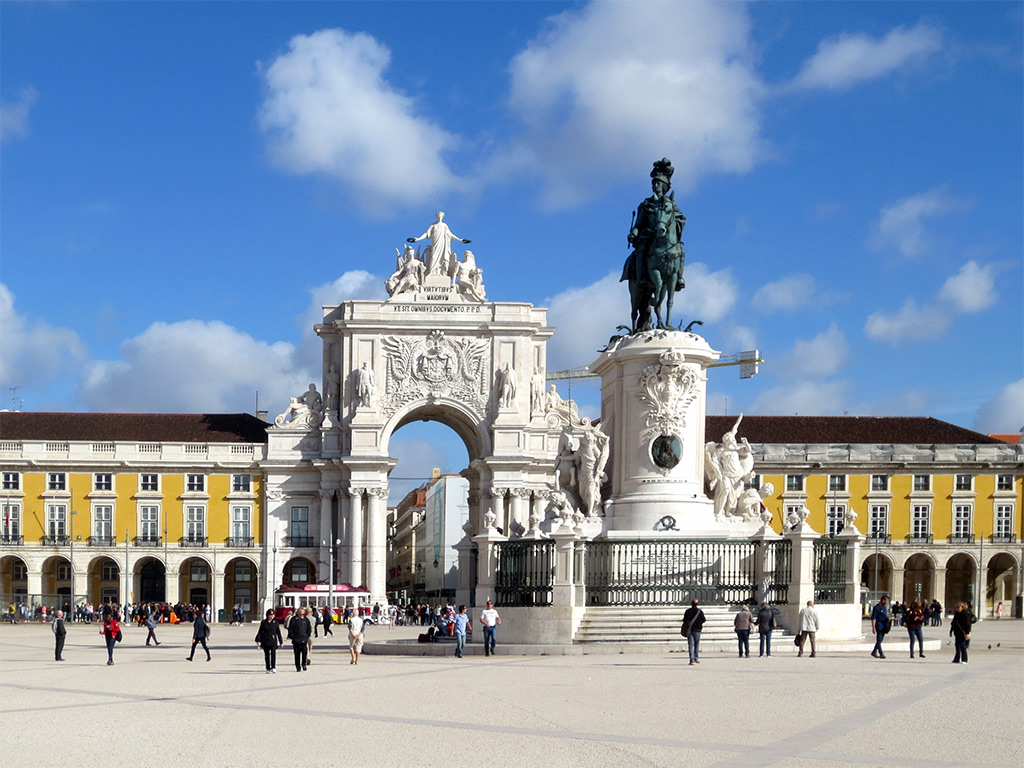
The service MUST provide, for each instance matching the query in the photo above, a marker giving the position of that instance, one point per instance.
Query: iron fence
(778, 571)
(830, 571)
(661, 572)
(525, 573)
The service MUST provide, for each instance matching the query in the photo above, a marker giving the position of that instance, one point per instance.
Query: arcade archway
(961, 580)
(241, 577)
(104, 581)
(876, 575)
(195, 580)
(1002, 582)
(13, 579)
(150, 581)
(918, 578)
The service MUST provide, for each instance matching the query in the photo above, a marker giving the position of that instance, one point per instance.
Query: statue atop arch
(436, 269)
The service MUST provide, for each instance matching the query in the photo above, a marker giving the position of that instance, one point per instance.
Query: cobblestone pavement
(155, 708)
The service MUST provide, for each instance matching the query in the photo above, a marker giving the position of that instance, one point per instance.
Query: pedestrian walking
(59, 633)
(151, 626)
(693, 625)
(881, 623)
(960, 631)
(328, 616)
(999, 610)
(913, 620)
(742, 623)
(268, 637)
(317, 621)
(355, 636)
(462, 623)
(300, 632)
(111, 634)
(765, 623)
(200, 634)
(490, 620)
(808, 627)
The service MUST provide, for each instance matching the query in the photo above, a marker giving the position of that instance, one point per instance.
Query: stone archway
(298, 572)
(1002, 583)
(876, 575)
(13, 580)
(195, 581)
(961, 580)
(104, 581)
(241, 580)
(918, 578)
(150, 581)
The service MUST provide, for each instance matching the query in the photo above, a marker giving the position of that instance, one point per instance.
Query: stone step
(654, 624)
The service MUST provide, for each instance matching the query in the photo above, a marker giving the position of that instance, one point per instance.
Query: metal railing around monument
(830, 571)
(525, 573)
(778, 571)
(662, 572)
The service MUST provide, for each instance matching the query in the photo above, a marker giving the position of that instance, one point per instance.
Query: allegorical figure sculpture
(654, 269)
(728, 466)
(332, 385)
(306, 410)
(366, 387)
(469, 278)
(409, 274)
(559, 410)
(439, 255)
(593, 456)
(508, 384)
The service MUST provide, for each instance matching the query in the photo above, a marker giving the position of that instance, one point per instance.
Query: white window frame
(195, 483)
(797, 480)
(194, 523)
(879, 480)
(56, 481)
(1004, 482)
(1003, 522)
(878, 520)
(963, 520)
(963, 483)
(835, 519)
(926, 482)
(919, 512)
(110, 571)
(101, 479)
(292, 521)
(837, 483)
(11, 518)
(143, 482)
(98, 512)
(243, 572)
(63, 572)
(291, 572)
(12, 481)
(241, 514)
(201, 569)
(19, 571)
(241, 483)
(56, 519)
(146, 524)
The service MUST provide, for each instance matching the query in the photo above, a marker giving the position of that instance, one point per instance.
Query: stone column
(355, 537)
(34, 585)
(854, 539)
(487, 562)
(563, 590)
(517, 509)
(376, 544)
(897, 583)
(497, 508)
(466, 550)
(939, 589)
(801, 586)
(172, 585)
(326, 538)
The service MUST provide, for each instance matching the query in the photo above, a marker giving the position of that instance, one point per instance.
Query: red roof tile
(905, 430)
(134, 427)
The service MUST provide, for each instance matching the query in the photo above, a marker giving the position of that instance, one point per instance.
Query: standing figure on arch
(654, 269)
(438, 255)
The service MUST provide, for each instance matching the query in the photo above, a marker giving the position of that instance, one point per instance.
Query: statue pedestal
(653, 390)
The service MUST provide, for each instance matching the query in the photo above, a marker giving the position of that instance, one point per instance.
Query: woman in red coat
(112, 633)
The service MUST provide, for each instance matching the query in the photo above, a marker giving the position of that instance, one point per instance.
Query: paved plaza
(154, 708)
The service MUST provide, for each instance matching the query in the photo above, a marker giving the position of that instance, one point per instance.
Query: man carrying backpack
(880, 625)
(693, 623)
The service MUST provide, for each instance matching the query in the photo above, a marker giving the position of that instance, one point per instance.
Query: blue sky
(184, 184)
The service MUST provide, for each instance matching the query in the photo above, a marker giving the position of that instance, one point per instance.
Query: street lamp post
(71, 542)
(273, 573)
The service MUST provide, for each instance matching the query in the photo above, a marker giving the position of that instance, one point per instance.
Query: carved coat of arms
(667, 389)
(433, 367)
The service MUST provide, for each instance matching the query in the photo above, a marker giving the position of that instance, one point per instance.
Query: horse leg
(656, 297)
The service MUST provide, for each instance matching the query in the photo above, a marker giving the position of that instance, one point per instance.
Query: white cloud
(14, 115)
(824, 355)
(32, 352)
(194, 367)
(911, 322)
(609, 88)
(788, 294)
(901, 225)
(709, 296)
(844, 61)
(585, 318)
(354, 284)
(1004, 413)
(330, 110)
(972, 289)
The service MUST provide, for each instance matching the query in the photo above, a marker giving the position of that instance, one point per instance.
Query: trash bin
(222, 615)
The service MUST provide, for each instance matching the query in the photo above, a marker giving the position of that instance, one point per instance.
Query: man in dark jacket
(693, 623)
(200, 632)
(299, 632)
(59, 633)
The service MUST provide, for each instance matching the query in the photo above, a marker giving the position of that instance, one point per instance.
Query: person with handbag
(300, 633)
(742, 624)
(914, 620)
(200, 634)
(112, 635)
(960, 631)
(881, 623)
